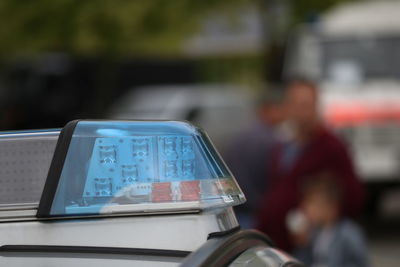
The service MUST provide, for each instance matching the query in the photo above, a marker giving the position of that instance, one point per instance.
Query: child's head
(321, 199)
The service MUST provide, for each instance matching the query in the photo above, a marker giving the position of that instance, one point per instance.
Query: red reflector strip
(190, 190)
(161, 192)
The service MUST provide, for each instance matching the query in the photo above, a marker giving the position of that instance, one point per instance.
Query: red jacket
(325, 152)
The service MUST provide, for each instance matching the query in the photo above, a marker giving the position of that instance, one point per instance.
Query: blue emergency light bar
(103, 167)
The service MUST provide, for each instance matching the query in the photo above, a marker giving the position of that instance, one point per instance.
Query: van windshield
(360, 59)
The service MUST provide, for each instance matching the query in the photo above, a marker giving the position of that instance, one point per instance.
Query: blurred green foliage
(114, 27)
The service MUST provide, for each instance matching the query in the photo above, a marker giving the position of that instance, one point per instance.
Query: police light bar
(107, 167)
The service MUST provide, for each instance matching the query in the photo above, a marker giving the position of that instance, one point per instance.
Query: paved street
(385, 252)
(384, 236)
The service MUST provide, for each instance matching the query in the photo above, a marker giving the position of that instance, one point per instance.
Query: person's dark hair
(270, 95)
(325, 183)
(300, 80)
(303, 82)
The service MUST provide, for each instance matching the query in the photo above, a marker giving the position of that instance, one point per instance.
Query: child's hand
(299, 227)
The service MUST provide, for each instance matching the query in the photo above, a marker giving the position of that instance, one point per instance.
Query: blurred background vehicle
(224, 110)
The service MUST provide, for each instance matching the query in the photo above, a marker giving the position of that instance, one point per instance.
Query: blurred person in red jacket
(312, 148)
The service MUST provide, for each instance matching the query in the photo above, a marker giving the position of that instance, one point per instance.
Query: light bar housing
(125, 167)
(25, 158)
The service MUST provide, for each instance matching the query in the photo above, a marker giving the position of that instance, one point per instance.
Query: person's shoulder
(348, 229)
(349, 225)
(352, 243)
(330, 139)
(256, 129)
(328, 134)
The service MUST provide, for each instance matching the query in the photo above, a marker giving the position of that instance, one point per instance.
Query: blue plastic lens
(139, 166)
(119, 162)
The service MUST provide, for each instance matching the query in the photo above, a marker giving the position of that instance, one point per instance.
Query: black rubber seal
(93, 250)
(57, 163)
(223, 233)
